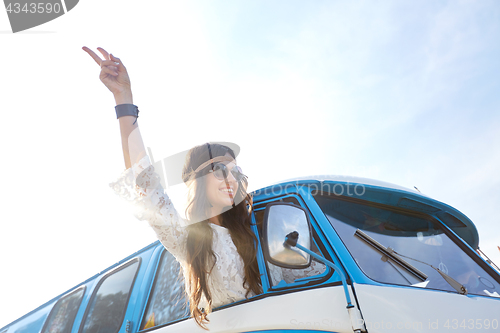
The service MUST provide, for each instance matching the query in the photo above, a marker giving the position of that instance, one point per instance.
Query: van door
(293, 300)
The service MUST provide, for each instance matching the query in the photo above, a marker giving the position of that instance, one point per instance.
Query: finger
(104, 52)
(108, 70)
(117, 60)
(113, 68)
(93, 55)
(108, 63)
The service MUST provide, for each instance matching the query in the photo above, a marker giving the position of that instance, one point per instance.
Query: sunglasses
(221, 172)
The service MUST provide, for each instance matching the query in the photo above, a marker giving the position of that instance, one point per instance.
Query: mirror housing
(281, 219)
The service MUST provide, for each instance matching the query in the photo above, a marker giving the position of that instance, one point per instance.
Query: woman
(217, 253)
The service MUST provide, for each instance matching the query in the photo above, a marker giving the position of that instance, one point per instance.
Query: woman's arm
(132, 145)
(151, 202)
(115, 77)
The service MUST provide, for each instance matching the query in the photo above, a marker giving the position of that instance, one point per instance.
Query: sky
(405, 92)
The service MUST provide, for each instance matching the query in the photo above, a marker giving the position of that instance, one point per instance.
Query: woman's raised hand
(113, 74)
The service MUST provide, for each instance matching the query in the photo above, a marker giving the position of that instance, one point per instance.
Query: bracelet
(127, 110)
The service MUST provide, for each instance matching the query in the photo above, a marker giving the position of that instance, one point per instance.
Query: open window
(167, 299)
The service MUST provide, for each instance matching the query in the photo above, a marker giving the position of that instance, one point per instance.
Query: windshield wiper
(389, 253)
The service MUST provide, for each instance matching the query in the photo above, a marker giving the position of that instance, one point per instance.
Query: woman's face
(220, 193)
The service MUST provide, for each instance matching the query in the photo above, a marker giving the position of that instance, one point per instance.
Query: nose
(230, 177)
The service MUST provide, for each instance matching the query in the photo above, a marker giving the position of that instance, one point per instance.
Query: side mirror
(281, 219)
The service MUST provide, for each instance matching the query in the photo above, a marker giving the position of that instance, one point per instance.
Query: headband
(214, 160)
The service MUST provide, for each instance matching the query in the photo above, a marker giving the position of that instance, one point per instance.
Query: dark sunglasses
(221, 172)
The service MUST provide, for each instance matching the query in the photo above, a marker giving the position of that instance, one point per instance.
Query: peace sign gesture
(113, 74)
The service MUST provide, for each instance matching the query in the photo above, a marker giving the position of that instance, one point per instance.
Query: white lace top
(153, 205)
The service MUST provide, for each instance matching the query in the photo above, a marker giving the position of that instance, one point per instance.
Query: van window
(63, 313)
(107, 308)
(283, 277)
(167, 300)
(420, 238)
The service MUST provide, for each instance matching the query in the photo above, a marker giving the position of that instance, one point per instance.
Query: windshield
(417, 237)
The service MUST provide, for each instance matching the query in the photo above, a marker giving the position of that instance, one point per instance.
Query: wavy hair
(201, 258)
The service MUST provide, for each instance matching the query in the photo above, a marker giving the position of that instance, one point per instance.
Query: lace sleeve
(315, 268)
(275, 273)
(287, 275)
(140, 185)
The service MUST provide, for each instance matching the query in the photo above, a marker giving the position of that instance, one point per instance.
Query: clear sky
(406, 92)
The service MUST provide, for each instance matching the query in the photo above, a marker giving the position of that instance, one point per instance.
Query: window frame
(101, 281)
(317, 237)
(158, 260)
(83, 288)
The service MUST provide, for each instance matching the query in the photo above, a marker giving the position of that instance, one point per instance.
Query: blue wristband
(127, 110)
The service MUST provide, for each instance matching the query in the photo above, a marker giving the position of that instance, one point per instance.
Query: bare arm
(115, 77)
(132, 144)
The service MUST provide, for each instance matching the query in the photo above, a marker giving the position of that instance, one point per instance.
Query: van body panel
(387, 309)
(32, 323)
(291, 311)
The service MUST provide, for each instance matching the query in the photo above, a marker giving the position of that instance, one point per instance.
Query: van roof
(349, 179)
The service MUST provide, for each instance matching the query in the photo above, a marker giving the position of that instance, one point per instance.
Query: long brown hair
(200, 256)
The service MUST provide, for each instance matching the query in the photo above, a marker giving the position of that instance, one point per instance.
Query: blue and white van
(386, 259)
